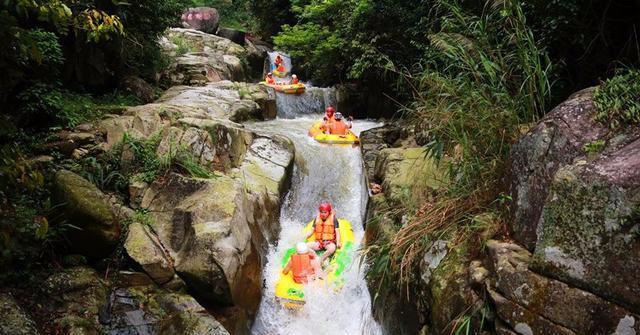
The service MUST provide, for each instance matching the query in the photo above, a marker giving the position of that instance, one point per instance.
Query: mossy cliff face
(589, 232)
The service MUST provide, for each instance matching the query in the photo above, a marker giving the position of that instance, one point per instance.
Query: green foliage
(146, 165)
(356, 37)
(618, 100)
(271, 15)
(183, 44)
(52, 105)
(482, 76)
(29, 225)
(594, 147)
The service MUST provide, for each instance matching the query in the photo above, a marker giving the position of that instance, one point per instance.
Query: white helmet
(294, 76)
(302, 248)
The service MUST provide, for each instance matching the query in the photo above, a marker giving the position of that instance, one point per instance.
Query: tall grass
(482, 78)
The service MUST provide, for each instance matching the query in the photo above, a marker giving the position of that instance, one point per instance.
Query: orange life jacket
(325, 230)
(301, 267)
(339, 128)
(280, 68)
(270, 80)
(295, 81)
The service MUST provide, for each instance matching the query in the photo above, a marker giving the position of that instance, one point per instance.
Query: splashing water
(322, 172)
(313, 101)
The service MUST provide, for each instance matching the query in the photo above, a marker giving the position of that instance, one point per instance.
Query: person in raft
(279, 62)
(294, 80)
(339, 127)
(269, 79)
(328, 119)
(304, 264)
(326, 231)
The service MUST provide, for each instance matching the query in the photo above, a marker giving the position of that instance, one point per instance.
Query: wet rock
(204, 19)
(218, 230)
(131, 278)
(138, 87)
(230, 140)
(86, 207)
(256, 55)
(223, 100)
(144, 247)
(236, 36)
(448, 293)
(543, 298)
(14, 320)
(266, 163)
(77, 294)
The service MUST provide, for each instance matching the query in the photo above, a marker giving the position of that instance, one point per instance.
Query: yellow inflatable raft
(298, 88)
(280, 74)
(291, 294)
(320, 136)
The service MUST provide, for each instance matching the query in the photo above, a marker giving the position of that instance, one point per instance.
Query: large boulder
(15, 320)
(144, 247)
(199, 58)
(516, 287)
(575, 187)
(589, 229)
(87, 208)
(218, 230)
(554, 142)
(204, 19)
(138, 88)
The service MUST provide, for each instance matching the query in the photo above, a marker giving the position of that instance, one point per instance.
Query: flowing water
(322, 173)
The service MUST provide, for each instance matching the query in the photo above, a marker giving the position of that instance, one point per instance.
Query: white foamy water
(322, 173)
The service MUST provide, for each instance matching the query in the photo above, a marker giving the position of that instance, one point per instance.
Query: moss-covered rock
(548, 298)
(199, 58)
(79, 294)
(87, 208)
(565, 134)
(144, 247)
(14, 320)
(190, 324)
(407, 173)
(589, 232)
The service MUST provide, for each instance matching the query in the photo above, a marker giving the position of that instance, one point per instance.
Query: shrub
(618, 100)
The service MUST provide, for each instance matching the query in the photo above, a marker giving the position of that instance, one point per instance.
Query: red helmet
(325, 207)
(330, 110)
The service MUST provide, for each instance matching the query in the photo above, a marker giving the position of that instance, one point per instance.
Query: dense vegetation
(62, 62)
